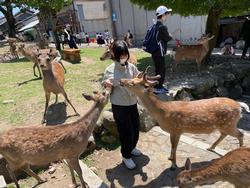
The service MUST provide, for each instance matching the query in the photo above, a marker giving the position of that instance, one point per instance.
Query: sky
(15, 10)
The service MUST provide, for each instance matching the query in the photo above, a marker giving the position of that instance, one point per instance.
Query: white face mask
(123, 61)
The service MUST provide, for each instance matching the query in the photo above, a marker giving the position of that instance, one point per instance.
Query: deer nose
(121, 83)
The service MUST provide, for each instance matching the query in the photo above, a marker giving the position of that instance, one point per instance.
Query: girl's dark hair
(120, 48)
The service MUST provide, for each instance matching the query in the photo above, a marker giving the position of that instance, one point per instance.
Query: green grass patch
(17, 84)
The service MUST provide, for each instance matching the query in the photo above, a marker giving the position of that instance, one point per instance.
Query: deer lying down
(53, 79)
(234, 167)
(39, 145)
(197, 117)
(108, 54)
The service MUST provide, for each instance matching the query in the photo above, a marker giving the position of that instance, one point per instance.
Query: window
(80, 12)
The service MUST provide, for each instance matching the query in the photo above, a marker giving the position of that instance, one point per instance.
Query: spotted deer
(40, 145)
(195, 52)
(108, 54)
(196, 117)
(53, 79)
(234, 167)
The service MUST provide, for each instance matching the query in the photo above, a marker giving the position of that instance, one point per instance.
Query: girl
(124, 103)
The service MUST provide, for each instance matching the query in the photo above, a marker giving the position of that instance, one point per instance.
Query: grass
(27, 100)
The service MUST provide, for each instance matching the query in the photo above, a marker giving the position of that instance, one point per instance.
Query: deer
(40, 145)
(195, 52)
(53, 79)
(178, 117)
(13, 47)
(108, 54)
(31, 54)
(234, 168)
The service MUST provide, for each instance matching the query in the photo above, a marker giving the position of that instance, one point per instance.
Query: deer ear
(188, 165)
(140, 75)
(87, 97)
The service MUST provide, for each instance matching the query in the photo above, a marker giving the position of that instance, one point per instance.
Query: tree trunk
(212, 27)
(56, 37)
(41, 29)
(11, 22)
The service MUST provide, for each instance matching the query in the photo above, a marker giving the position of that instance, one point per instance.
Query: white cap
(162, 10)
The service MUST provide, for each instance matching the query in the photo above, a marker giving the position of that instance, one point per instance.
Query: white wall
(138, 20)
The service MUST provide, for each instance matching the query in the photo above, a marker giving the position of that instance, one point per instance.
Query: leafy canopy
(52, 5)
(198, 7)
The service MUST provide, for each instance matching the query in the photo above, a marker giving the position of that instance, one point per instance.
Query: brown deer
(39, 145)
(108, 54)
(53, 79)
(234, 167)
(31, 54)
(197, 117)
(13, 47)
(195, 52)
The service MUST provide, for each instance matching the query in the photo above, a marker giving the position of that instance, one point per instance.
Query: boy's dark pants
(160, 68)
(128, 123)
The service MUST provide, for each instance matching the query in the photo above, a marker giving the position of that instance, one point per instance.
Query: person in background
(124, 103)
(69, 37)
(163, 37)
(128, 38)
(245, 34)
(87, 38)
(228, 48)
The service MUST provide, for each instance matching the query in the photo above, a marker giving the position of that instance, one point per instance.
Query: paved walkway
(153, 166)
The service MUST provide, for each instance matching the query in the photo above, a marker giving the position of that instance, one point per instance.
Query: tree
(47, 16)
(213, 8)
(6, 7)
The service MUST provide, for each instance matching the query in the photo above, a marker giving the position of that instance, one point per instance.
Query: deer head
(98, 97)
(108, 54)
(141, 82)
(184, 179)
(21, 47)
(44, 59)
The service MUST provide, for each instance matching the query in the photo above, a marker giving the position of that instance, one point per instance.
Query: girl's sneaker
(136, 152)
(129, 163)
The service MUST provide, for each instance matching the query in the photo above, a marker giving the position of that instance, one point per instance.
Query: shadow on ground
(168, 177)
(27, 81)
(56, 114)
(126, 177)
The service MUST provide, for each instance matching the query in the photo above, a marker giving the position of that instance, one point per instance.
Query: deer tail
(245, 106)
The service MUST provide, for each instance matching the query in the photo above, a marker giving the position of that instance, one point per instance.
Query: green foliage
(198, 7)
(54, 5)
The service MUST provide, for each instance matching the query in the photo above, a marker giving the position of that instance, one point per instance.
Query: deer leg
(47, 96)
(40, 75)
(222, 136)
(12, 175)
(63, 66)
(27, 169)
(67, 99)
(56, 98)
(237, 134)
(198, 66)
(74, 165)
(174, 139)
(34, 70)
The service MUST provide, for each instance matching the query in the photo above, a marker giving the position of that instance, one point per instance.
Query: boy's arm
(163, 34)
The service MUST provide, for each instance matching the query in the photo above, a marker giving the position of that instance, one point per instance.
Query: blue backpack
(150, 43)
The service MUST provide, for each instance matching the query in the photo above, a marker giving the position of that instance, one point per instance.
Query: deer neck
(206, 175)
(90, 118)
(152, 103)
